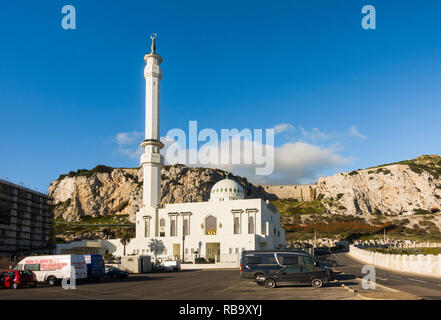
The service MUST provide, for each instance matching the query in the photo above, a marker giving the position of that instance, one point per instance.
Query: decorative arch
(173, 228)
(211, 225)
(250, 224)
(186, 227)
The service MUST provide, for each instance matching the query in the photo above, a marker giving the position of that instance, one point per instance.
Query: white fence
(397, 244)
(421, 264)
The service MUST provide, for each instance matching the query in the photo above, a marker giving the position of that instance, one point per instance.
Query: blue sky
(65, 95)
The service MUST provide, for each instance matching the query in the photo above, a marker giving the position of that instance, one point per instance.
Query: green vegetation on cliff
(87, 173)
(430, 164)
(295, 207)
(108, 226)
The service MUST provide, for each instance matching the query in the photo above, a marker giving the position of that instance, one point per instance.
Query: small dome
(226, 189)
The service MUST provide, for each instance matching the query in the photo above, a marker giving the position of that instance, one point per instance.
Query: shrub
(420, 211)
(200, 260)
(384, 171)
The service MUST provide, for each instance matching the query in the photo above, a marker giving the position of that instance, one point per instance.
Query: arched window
(146, 228)
(173, 228)
(236, 225)
(186, 227)
(250, 225)
(210, 225)
(162, 228)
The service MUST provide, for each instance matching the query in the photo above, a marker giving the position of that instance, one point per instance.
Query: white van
(52, 269)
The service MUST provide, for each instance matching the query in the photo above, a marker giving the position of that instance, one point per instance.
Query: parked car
(256, 263)
(15, 279)
(339, 248)
(52, 269)
(158, 267)
(174, 264)
(307, 273)
(113, 272)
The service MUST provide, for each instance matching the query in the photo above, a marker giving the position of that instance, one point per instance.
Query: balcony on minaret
(152, 68)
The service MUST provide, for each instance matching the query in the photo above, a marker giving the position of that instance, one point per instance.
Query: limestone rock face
(96, 195)
(119, 191)
(392, 190)
(396, 189)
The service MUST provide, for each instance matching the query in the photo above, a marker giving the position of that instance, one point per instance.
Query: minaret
(151, 159)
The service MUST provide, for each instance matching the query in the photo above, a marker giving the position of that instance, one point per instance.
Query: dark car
(158, 267)
(19, 278)
(113, 272)
(301, 274)
(339, 248)
(256, 263)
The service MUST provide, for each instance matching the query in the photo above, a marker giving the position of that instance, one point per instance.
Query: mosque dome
(226, 189)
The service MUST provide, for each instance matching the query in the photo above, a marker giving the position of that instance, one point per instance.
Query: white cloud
(282, 127)
(128, 143)
(315, 134)
(294, 163)
(353, 131)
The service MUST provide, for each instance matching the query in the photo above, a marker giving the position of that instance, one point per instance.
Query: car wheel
(52, 281)
(270, 283)
(317, 283)
(14, 286)
(257, 275)
(34, 285)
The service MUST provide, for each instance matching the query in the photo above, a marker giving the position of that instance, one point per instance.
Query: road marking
(384, 279)
(396, 277)
(223, 290)
(418, 280)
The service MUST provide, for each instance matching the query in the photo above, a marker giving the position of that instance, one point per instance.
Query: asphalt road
(183, 285)
(421, 286)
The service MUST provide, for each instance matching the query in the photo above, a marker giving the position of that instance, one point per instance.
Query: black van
(256, 263)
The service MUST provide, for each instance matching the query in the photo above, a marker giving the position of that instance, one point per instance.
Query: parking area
(183, 285)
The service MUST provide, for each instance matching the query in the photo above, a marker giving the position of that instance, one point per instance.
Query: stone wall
(304, 192)
(420, 264)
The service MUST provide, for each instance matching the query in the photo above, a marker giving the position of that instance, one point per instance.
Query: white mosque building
(218, 229)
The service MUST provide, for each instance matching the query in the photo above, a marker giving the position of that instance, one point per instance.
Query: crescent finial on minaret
(153, 37)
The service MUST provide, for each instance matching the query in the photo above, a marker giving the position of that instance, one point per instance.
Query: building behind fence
(26, 221)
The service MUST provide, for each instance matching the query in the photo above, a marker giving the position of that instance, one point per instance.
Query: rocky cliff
(403, 188)
(106, 191)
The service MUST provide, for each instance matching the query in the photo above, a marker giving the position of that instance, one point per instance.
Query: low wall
(300, 192)
(429, 265)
